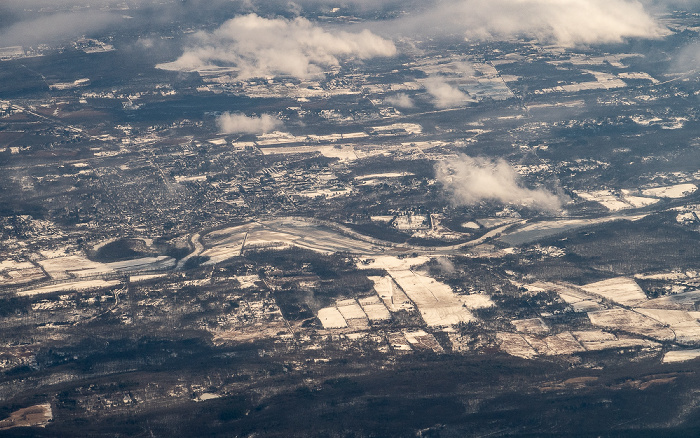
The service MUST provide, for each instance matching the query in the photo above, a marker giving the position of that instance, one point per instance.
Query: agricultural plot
(69, 286)
(540, 230)
(398, 341)
(620, 290)
(476, 301)
(230, 242)
(515, 345)
(614, 201)
(437, 303)
(537, 343)
(680, 356)
(555, 345)
(374, 309)
(563, 343)
(421, 340)
(33, 416)
(331, 318)
(353, 314)
(393, 297)
(673, 192)
(639, 201)
(13, 265)
(606, 198)
(533, 326)
(596, 340)
(143, 264)
(631, 322)
(685, 326)
(145, 277)
(662, 276)
(350, 309)
(604, 81)
(72, 266)
(60, 268)
(22, 276)
(579, 300)
(680, 301)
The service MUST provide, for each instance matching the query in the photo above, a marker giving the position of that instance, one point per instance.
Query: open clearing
(515, 345)
(681, 301)
(230, 242)
(684, 325)
(631, 322)
(577, 298)
(437, 303)
(33, 416)
(531, 326)
(539, 230)
(594, 340)
(72, 266)
(70, 286)
(350, 310)
(673, 192)
(421, 340)
(620, 290)
(331, 318)
(393, 297)
(374, 309)
(680, 356)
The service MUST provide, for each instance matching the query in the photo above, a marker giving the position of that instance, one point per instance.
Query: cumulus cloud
(444, 94)
(470, 180)
(563, 22)
(241, 124)
(400, 100)
(261, 47)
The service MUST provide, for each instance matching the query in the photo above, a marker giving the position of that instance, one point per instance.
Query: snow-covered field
(621, 290)
(227, 243)
(515, 345)
(76, 285)
(419, 339)
(436, 302)
(631, 322)
(680, 355)
(594, 340)
(145, 277)
(681, 301)
(374, 308)
(685, 326)
(331, 318)
(538, 230)
(531, 326)
(393, 297)
(675, 191)
(529, 346)
(350, 310)
(76, 265)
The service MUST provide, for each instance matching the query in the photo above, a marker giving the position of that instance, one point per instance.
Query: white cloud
(687, 61)
(261, 47)
(564, 22)
(470, 180)
(59, 27)
(445, 95)
(400, 100)
(241, 124)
